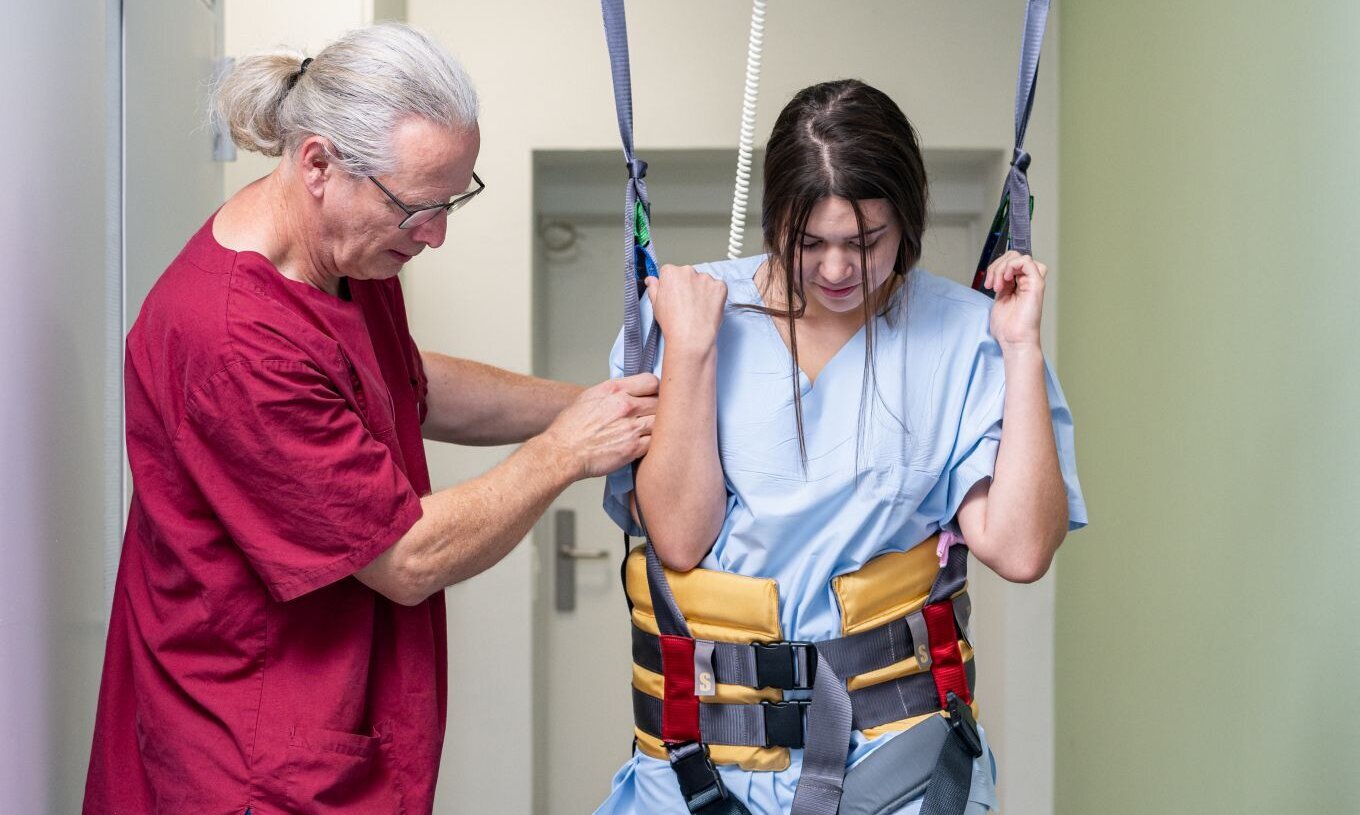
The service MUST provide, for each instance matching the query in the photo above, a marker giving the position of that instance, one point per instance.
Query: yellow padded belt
(718, 606)
(729, 607)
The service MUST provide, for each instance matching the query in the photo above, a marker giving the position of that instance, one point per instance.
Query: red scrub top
(273, 432)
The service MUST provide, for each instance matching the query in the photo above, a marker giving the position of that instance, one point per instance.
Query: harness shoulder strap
(1011, 226)
(639, 255)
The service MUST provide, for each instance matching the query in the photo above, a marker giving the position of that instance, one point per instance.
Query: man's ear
(315, 164)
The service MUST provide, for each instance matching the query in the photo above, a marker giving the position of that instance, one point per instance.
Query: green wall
(1208, 621)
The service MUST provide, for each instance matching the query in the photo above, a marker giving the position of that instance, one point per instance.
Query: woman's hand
(688, 306)
(1018, 281)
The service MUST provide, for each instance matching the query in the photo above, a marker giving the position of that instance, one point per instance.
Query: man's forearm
(468, 528)
(476, 404)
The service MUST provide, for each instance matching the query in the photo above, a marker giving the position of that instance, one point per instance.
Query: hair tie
(302, 70)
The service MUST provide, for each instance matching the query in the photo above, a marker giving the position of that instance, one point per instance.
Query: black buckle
(963, 724)
(784, 722)
(700, 783)
(785, 665)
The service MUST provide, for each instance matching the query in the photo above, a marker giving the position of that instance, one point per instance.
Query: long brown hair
(843, 139)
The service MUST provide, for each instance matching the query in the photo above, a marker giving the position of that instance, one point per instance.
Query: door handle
(582, 554)
(564, 563)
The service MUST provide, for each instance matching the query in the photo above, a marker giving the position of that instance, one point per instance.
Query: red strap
(947, 661)
(680, 707)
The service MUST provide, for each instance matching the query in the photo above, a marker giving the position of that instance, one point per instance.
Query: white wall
(306, 25)
(543, 74)
(53, 327)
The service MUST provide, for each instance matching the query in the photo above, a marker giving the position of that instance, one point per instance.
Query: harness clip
(963, 724)
(784, 722)
(700, 783)
(785, 665)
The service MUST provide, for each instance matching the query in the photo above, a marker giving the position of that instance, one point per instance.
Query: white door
(583, 710)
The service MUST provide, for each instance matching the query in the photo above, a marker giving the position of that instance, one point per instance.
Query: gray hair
(354, 93)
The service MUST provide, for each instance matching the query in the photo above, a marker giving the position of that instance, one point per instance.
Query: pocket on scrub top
(334, 771)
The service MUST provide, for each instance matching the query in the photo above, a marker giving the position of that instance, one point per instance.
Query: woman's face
(830, 245)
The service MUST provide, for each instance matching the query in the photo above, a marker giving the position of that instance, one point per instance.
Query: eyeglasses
(415, 216)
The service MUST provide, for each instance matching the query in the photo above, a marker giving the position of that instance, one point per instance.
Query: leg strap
(700, 783)
(947, 793)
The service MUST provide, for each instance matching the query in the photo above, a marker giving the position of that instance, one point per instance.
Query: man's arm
(468, 528)
(476, 404)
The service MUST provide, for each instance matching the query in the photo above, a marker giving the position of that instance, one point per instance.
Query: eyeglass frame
(411, 212)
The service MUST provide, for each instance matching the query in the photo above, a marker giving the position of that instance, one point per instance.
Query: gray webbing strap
(669, 620)
(1012, 220)
(743, 725)
(953, 576)
(901, 698)
(639, 352)
(950, 782)
(736, 663)
(828, 744)
(1017, 183)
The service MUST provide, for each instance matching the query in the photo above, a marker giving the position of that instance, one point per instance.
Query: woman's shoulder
(737, 273)
(936, 301)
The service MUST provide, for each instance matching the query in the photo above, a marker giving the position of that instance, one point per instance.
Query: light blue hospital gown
(930, 434)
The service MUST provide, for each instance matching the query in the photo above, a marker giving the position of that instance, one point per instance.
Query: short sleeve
(301, 485)
(619, 484)
(979, 437)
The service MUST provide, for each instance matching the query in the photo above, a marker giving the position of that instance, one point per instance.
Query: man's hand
(608, 425)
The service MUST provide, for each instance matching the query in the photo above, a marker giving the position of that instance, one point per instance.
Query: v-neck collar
(805, 383)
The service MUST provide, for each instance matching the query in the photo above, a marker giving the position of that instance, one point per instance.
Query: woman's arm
(680, 481)
(1015, 522)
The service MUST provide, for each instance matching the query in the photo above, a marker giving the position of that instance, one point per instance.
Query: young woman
(826, 412)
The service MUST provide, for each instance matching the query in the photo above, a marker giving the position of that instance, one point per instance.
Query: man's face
(434, 164)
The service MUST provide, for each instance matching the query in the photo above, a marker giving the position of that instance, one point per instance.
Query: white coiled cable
(748, 127)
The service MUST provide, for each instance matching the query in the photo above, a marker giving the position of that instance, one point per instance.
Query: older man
(277, 642)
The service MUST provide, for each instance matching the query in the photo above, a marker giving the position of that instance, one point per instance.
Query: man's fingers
(642, 406)
(644, 384)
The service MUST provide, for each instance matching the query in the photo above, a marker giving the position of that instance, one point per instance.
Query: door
(583, 713)
(170, 180)
(171, 183)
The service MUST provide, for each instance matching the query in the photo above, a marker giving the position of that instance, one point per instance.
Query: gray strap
(953, 576)
(947, 793)
(669, 620)
(735, 663)
(1017, 182)
(901, 698)
(963, 615)
(828, 743)
(744, 725)
(639, 353)
(737, 725)
(876, 648)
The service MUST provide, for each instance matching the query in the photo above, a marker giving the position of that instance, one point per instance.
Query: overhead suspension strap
(639, 256)
(1011, 225)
